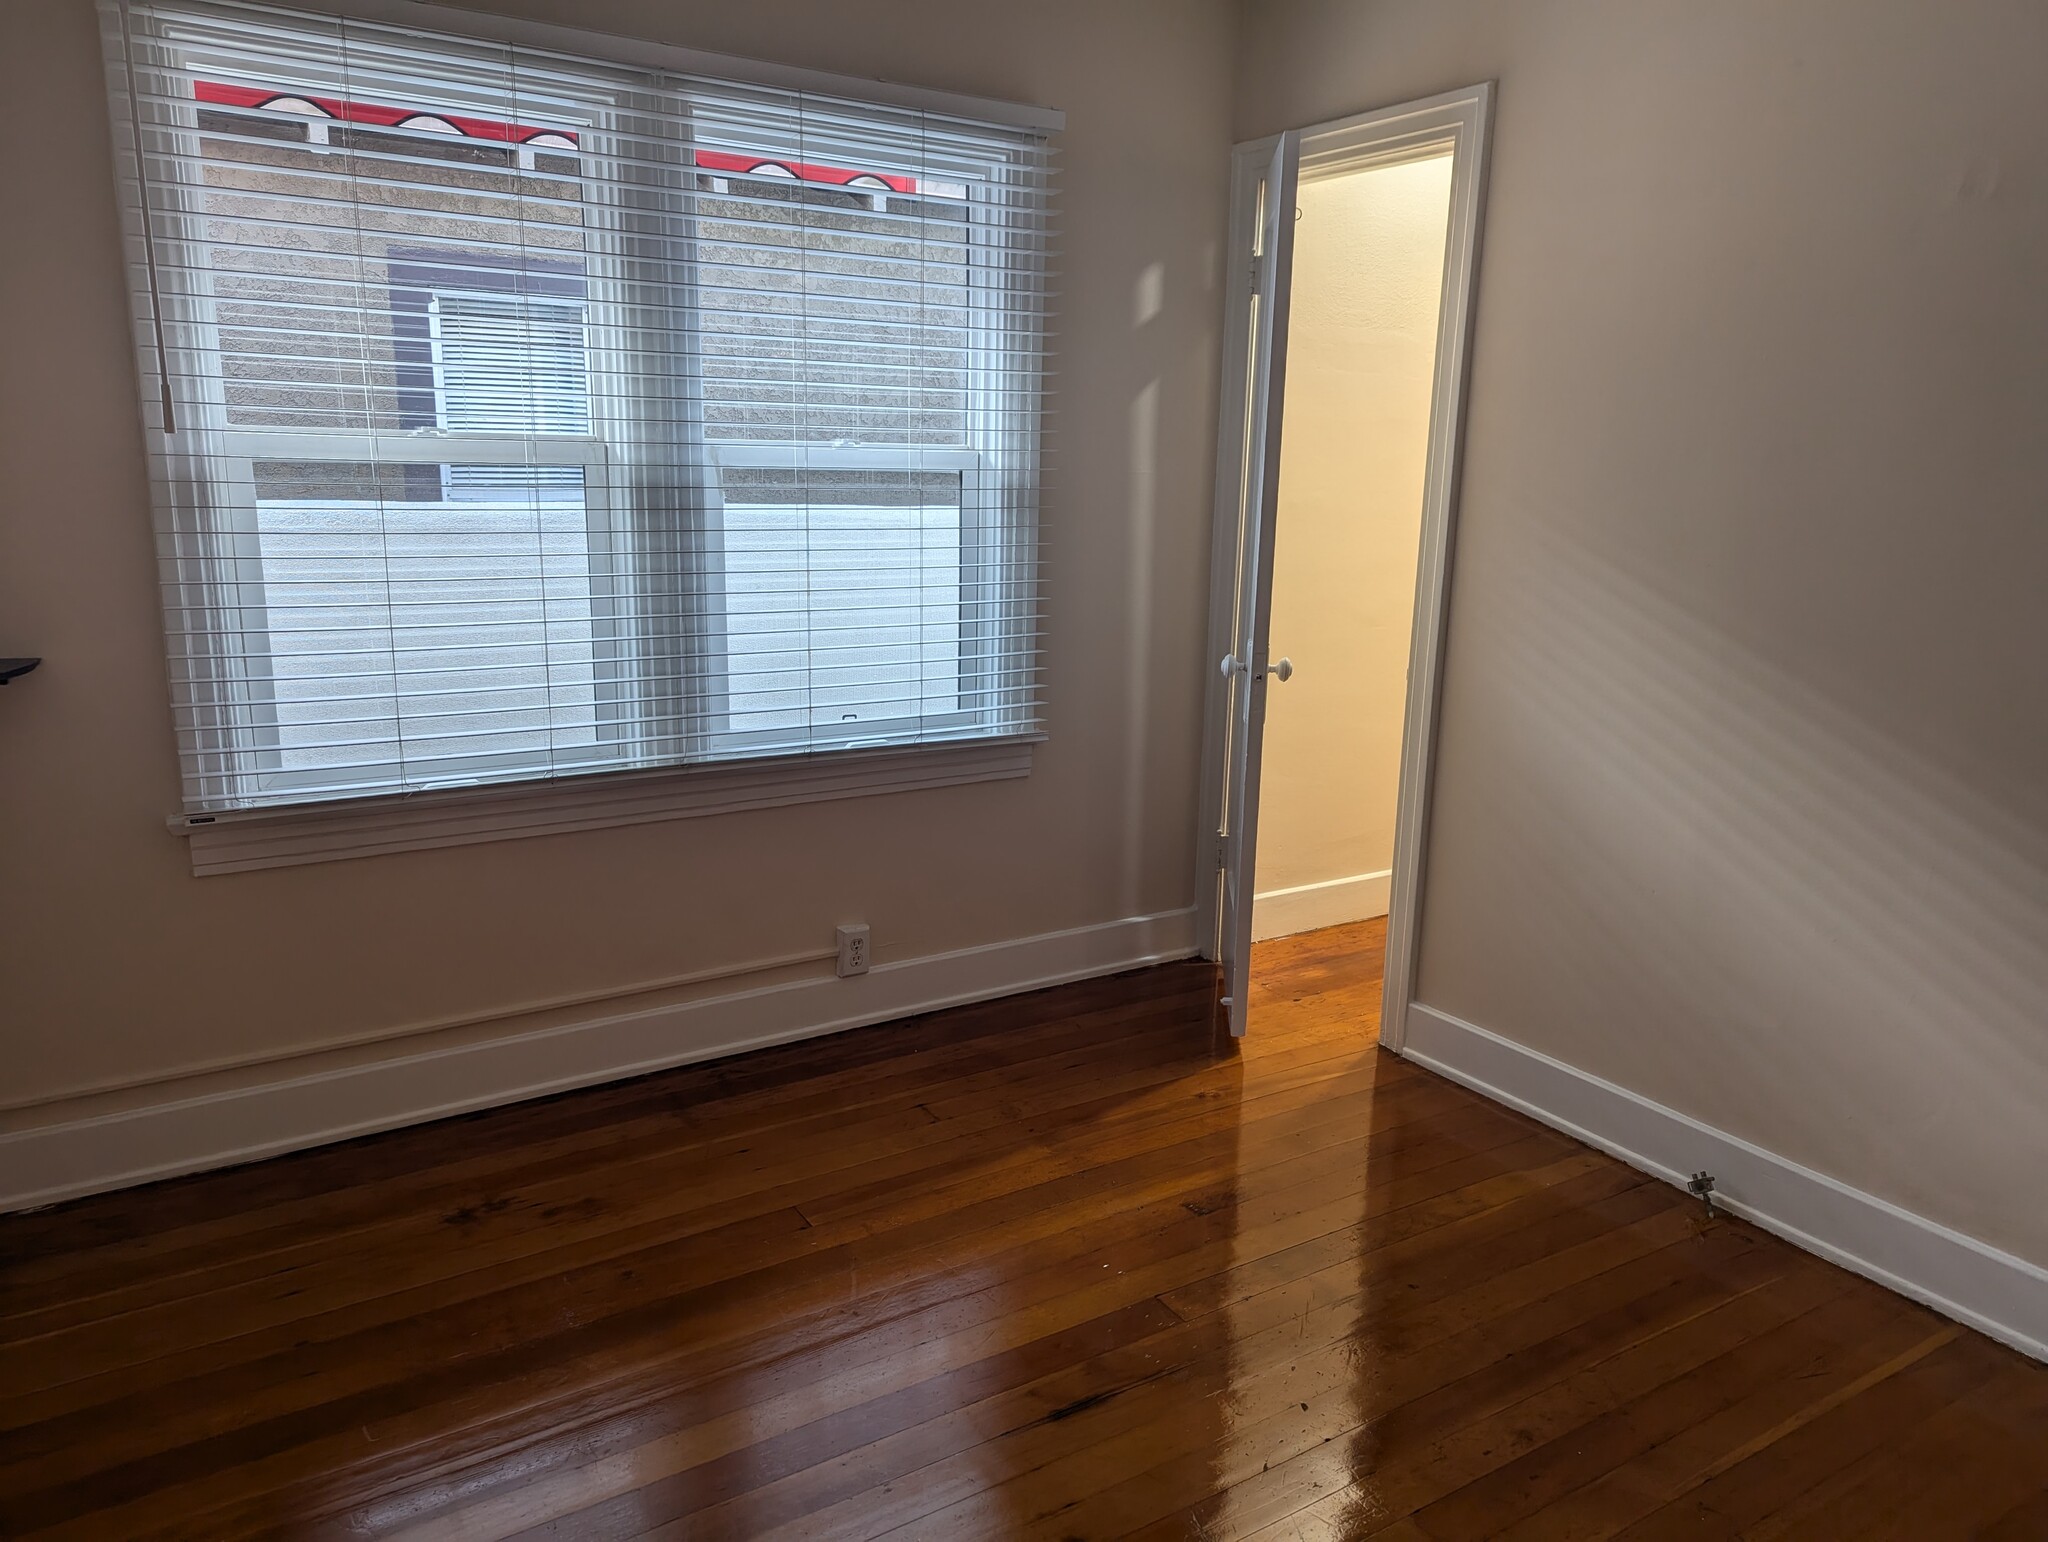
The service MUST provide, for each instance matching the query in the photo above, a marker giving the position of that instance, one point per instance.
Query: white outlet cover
(854, 953)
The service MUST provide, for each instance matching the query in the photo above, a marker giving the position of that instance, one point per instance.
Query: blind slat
(517, 415)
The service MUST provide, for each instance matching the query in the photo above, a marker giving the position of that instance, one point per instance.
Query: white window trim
(248, 839)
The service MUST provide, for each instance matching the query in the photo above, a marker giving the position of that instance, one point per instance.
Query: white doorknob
(1284, 668)
(1230, 666)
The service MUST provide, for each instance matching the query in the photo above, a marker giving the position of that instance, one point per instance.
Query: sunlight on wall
(1150, 299)
(1841, 909)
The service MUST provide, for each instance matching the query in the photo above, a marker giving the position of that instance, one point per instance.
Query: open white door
(1262, 255)
(1265, 176)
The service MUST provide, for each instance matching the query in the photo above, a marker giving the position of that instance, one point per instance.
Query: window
(509, 364)
(517, 416)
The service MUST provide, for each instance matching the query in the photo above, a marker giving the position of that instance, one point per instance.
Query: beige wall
(115, 961)
(1361, 360)
(1743, 788)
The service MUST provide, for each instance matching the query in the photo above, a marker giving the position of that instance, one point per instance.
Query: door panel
(1267, 270)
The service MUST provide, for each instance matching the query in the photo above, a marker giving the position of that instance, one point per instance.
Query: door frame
(1463, 120)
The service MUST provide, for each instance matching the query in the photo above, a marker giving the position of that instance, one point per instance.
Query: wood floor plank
(1520, 1344)
(2026, 1521)
(1730, 1502)
(1266, 1433)
(1422, 1447)
(1586, 1483)
(416, 1394)
(1422, 1219)
(1981, 1455)
(412, 1393)
(1025, 1455)
(1024, 1299)
(1144, 1041)
(1137, 1044)
(1073, 1265)
(66, 1251)
(42, 1363)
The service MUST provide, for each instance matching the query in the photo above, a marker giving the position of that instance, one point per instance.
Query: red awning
(300, 105)
(385, 117)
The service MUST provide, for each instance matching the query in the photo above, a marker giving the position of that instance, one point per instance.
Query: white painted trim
(83, 1146)
(367, 827)
(1309, 906)
(2005, 1296)
(438, 19)
(1473, 114)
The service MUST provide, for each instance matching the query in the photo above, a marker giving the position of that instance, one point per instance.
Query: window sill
(367, 827)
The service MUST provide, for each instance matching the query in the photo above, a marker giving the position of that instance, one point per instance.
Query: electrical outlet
(853, 950)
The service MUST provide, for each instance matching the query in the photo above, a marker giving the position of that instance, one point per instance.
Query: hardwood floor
(1065, 1266)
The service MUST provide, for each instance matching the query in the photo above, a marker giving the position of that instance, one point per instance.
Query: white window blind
(510, 364)
(516, 415)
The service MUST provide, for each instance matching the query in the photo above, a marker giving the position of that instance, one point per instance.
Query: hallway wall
(1368, 281)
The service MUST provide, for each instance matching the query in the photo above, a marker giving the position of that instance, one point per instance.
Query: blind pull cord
(156, 309)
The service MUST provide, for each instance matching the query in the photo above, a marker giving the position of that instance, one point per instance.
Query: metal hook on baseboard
(1702, 1188)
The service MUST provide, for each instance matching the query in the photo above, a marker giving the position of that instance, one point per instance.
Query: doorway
(1336, 488)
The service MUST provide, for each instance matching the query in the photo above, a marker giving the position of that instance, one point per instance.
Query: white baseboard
(1308, 906)
(2006, 1297)
(62, 1150)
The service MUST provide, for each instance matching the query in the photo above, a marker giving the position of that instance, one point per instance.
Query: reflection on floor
(1060, 1267)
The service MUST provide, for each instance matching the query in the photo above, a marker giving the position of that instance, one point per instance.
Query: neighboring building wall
(1361, 358)
(1742, 790)
(307, 312)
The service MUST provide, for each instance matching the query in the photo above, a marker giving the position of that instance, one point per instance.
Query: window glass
(460, 630)
(844, 598)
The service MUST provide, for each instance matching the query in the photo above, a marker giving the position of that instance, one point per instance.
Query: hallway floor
(1065, 1266)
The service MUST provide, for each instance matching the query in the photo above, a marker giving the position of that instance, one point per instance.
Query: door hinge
(1222, 850)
